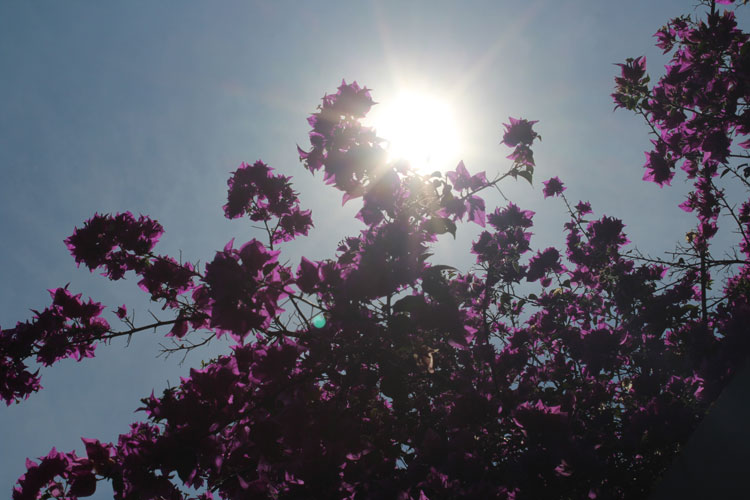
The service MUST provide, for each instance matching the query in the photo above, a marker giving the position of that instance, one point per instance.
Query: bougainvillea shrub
(380, 373)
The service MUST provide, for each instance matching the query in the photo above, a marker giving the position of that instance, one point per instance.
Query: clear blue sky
(147, 106)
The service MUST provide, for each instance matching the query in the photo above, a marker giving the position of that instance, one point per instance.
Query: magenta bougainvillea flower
(553, 187)
(519, 131)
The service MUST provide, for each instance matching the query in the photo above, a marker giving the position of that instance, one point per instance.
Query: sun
(419, 128)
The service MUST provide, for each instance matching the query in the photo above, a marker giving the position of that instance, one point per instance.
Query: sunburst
(419, 128)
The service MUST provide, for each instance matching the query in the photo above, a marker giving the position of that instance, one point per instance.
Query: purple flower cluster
(69, 328)
(697, 109)
(348, 152)
(520, 135)
(76, 472)
(117, 243)
(255, 192)
(242, 289)
(502, 249)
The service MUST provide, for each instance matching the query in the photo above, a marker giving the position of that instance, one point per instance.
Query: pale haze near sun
(420, 127)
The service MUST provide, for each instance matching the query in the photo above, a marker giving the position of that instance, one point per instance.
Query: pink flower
(519, 131)
(553, 187)
(121, 312)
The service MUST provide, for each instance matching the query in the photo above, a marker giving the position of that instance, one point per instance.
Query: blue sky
(147, 106)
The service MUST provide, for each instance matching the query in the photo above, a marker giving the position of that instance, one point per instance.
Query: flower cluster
(469, 203)
(697, 109)
(165, 278)
(117, 243)
(502, 250)
(69, 328)
(520, 135)
(349, 153)
(76, 475)
(242, 289)
(255, 192)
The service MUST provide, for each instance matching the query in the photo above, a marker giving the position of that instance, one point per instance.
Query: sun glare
(420, 129)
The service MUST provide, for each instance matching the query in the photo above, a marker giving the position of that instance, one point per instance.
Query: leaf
(526, 175)
(409, 303)
(441, 225)
(434, 284)
(439, 268)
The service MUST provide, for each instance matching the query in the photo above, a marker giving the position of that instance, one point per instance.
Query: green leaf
(441, 225)
(526, 175)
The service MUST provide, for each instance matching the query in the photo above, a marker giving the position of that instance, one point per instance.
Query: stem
(575, 217)
(307, 323)
(113, 335)
(686, 265)
(724, 201)
(486, 331)
(490, 184)
(704, 278)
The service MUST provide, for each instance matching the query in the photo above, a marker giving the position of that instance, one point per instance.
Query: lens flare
(319, 321)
